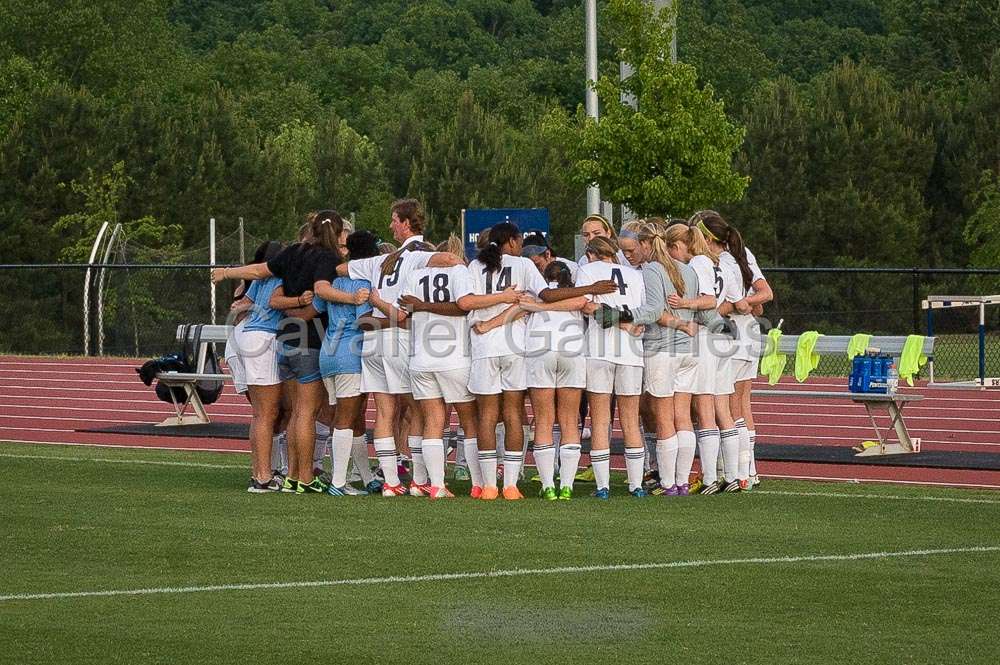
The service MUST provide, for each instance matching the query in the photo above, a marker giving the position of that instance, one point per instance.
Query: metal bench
(210, 335)
(834, 345)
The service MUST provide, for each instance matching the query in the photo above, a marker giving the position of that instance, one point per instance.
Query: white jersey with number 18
(438, 342)
(614, 344)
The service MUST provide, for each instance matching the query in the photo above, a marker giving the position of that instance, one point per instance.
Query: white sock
(666, 461)
(743, 473)
(545, 460)
(708, 453)
(730, 453)
(359, 456)
(416, 454)
(569, 462)
(385, 450)
(753, 457)
(343, 440)
(433, 450)
(488, 467)
(601, 461)
(685, 456)
(634, 458)
(471, 448)
(649, 441)
(460, 456)
(322, 444)
(556, 435)
(279, 453)
(528, 435)
(512, 467)
(501, 439)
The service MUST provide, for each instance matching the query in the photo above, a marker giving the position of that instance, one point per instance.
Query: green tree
(674, 151)
(982, 230)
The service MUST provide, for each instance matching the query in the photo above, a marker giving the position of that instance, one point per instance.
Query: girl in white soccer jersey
(499, 276)
(557, 374)
(614, 365)
(745, 298)
(440, 363)
(714, 386)
(386, 349)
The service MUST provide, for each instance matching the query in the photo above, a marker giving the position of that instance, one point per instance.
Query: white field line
(108, 460)
(496, 574)
(886, 481)
(114, 446)
(891, 497)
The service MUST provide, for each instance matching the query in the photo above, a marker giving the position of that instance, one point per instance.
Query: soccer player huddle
(658, 321)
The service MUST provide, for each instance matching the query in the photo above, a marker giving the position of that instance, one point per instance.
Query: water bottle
(892, 382)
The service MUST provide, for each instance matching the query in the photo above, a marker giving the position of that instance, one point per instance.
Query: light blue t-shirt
(262, 317)
(341, 350)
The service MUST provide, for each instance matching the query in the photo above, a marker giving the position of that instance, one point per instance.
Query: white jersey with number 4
(614, 344)
(439, 342)
(519, 273)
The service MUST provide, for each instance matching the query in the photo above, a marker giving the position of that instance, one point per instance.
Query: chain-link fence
(134, 309)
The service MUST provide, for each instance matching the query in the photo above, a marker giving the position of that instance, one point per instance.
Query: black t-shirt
(299, 266)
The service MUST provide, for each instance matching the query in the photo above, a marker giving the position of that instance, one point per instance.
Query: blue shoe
(639, 493)
(336, 491)
(374, 487)
(602, 493)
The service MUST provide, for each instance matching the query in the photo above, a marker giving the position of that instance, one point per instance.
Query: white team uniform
(440, 360)
(233, 359)
(556, 350)
(713, 351)
(386, 352)
(498, 356)
(749, 344)
(584, 260)
(614, 357)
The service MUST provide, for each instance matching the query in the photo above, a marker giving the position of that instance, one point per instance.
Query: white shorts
(667, 374)
(342, 386)
(724, 370)
(233, 360)
(258, 351)
(491, 376)
(385, 372)
(556, 370)
(745, 370)
(606, 377)
(452, 385)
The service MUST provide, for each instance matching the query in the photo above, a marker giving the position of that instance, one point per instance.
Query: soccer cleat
(263, 488)
(290, 486)
(337, 491)
(374, 487)
(440, 493)
(548, 493)
(420, 490)
(602, 493)
(317, 486)
(351, 490)
(651, 480)
(476, 492)
(731, 487)
(462, 473)
(394, 490)
(712, 488)
(565, 493)
(755, 480)
(745, 485)
(695, 483)
(512, 493)
(683, 490)
(638, 493)
(323, 476)
(489, 493)
(586, 475)
(659, 490)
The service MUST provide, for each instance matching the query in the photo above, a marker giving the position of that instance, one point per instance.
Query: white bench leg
(200, 417)
(903, 444)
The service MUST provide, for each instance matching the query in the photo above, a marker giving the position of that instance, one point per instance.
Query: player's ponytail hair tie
(493, 244)
(708, 234)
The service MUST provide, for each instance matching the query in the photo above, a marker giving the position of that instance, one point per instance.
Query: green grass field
(79, 519)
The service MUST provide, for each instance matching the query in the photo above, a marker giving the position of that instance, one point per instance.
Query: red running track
(47, 400)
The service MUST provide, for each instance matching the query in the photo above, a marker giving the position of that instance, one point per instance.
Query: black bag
(208, 390)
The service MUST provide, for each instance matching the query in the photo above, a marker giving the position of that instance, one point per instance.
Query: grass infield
(89, 519)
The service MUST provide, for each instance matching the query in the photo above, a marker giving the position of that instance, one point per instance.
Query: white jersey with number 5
(614, 344)
(519, 273)
(439, 342)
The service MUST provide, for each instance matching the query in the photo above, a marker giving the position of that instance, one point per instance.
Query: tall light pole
(593, 191)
